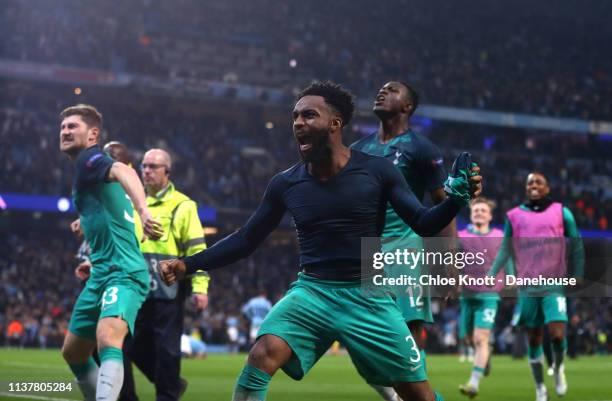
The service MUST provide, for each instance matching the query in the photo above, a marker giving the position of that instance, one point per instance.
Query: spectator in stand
(15, 334)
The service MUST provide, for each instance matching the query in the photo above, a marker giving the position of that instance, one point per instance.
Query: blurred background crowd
(535, 60)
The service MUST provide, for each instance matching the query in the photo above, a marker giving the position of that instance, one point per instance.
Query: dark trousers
(155, 348)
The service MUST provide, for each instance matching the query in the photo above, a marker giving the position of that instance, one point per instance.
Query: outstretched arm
(242, 242)
(237, 245)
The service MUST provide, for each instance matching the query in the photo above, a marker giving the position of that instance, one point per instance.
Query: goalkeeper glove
(457, 185)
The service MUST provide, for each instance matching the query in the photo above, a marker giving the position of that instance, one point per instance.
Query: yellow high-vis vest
(183, 236)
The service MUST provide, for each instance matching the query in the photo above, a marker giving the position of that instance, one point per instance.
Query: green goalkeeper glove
(457, 185)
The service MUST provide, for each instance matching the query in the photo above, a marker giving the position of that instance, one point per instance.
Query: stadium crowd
(535, 59)
(38, 287)
(231, 168)
(225, 159)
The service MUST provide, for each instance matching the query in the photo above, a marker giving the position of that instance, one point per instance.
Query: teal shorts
(414, 301)
(476, 313)
(314, 313)
(117, 294)
(538, 311)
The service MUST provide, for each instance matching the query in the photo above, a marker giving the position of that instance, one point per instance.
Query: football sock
(477, 374)
(252, 385)
(110, 377)
(559, 348)
(87, 376)
(536, 361)
(387, 393)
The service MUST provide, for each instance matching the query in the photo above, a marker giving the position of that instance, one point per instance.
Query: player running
(119, 152)
(538, 227)
(478, 303)
(421, 164)
(107, 307)
(336, 196)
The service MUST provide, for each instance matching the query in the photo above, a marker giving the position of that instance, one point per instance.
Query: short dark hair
(341, 100)
(413, 95)
(90, 115)
(537, 172)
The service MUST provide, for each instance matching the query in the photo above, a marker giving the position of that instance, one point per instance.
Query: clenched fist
(464, 182)
(172, 271)
(151, 228)
(200, 301)
(83, 271)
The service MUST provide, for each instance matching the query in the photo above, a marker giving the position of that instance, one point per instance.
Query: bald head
(160, 156)
(156, 166)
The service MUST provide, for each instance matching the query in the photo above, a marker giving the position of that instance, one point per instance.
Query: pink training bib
(538, 242)
(489, 245)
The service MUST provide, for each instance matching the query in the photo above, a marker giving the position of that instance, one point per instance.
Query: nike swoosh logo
(415, 368)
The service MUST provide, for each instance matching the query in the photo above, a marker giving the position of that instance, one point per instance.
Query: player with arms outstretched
(336, 197)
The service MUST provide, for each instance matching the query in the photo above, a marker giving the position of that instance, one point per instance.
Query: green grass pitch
(333, 378)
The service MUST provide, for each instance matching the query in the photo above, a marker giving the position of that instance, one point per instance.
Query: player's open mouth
(379, 99)
(304, 141)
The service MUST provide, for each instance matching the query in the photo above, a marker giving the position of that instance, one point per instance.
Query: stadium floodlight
(63, 204)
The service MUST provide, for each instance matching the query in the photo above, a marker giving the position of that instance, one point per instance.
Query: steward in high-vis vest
(155, 347)
(183, 236)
